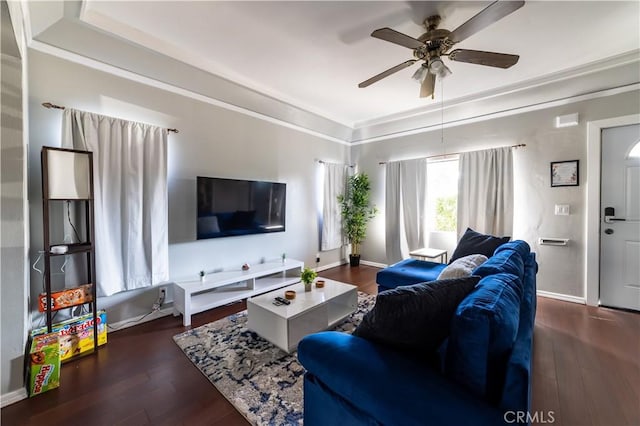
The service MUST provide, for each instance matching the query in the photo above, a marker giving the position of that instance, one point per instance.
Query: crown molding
(505, 113)
(72, 33)
(148, 41)
(593, 67)
(119, 72)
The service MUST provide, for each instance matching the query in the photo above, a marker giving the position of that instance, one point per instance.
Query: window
(442, 195)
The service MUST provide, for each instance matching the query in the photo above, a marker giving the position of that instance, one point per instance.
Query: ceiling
(312, 54)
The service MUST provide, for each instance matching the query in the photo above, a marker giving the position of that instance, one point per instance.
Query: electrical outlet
(162, 295)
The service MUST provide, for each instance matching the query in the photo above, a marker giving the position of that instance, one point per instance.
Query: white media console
(220, 288)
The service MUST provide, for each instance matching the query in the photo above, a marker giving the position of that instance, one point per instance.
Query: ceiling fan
(431, 46)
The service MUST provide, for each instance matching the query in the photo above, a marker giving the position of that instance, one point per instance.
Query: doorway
(620, 217)
(592, 225)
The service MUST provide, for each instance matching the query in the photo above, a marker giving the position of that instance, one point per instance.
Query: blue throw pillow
(473, 242)
(415, 318)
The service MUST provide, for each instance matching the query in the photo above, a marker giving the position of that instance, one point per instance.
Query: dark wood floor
(586, 370)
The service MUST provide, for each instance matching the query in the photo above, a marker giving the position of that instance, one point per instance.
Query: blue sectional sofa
(407, 272)
(481, 374)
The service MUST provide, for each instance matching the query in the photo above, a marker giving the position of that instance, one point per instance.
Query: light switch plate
(563, 210)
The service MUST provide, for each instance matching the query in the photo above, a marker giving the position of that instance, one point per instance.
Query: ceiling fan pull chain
(442, 114)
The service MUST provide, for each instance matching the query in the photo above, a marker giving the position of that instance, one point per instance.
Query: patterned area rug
(263, 382)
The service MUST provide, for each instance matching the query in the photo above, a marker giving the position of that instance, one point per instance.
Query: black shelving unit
(67, 176)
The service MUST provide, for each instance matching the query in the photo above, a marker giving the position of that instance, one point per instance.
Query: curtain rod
(520, 145)
(49, 105)
(324, 162)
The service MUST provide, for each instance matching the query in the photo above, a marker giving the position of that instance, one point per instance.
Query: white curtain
(334, 183)
(130, 192)
(413, 177)
(485, 192)
(405, 206)
(392, 212)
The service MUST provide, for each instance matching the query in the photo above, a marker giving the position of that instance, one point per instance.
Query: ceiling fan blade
(387, 73)
(393, 36)
(490, 14)
(491, 59)
(428, 86)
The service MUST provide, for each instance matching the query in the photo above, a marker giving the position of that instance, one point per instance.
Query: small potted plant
(356, 213)
(307, 277)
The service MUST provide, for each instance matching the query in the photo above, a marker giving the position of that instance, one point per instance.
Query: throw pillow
(473, 242)
(416, 317)
(462, 267)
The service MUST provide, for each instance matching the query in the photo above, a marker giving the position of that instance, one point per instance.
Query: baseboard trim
(346, 261)
(564, 297)
(330, 265)
(131, 322)
(374, 264)
(13, 397)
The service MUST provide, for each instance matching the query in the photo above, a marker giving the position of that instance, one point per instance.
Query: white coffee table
(309, 312)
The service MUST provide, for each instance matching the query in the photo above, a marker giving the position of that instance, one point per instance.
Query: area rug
(263, 382)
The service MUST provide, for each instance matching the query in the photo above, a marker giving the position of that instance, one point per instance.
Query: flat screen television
(232, 207)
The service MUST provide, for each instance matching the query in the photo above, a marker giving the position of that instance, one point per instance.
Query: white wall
(213, 141)
(13, 262)
(561, 268)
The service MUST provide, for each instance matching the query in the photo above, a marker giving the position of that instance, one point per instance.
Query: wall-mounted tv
(232, 207)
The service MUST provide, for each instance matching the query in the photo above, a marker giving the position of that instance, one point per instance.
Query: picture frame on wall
(565, 173)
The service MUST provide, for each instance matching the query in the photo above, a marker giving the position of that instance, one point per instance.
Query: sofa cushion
(483, 331)
(518, 245)
(385, 384)
(408, 272)
(516, 394)
(473, 242)
(417, 317)
(507, 261)
(462, 267)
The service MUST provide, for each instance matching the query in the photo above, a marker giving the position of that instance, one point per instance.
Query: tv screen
(231, 207)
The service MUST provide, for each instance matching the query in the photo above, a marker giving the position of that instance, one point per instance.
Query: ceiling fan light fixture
(438, 68)
(421, 73)
(445, 71)
(435, 64)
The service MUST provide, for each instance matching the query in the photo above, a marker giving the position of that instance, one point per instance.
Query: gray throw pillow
(462, 267)
(417, 317)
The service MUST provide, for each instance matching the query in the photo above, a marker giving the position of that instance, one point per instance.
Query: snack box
(66, 298)
(44, 363)
(76, 334)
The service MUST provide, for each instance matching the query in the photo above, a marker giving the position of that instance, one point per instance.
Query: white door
(620, 218)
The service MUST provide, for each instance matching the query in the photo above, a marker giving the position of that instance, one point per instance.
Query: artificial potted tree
(356, 213)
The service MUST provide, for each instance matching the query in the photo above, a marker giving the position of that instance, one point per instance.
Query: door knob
(608, 231)
(609, 213)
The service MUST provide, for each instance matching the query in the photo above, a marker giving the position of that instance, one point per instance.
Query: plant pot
(307, 286)
(354, 259)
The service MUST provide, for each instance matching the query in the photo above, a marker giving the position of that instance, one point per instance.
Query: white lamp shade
(68, 175)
